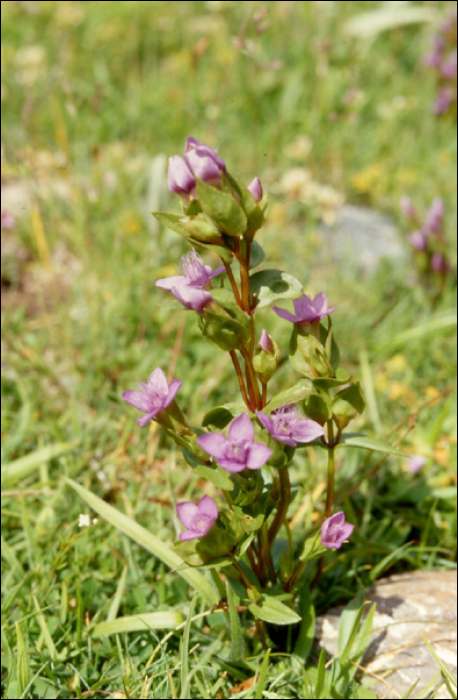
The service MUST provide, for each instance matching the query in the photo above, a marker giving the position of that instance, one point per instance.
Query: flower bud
(255, 188)
(204, 162)
(180, 179)
(267, 358)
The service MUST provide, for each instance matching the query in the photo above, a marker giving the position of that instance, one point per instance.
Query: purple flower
(435, 216)
(334, 531)
(198, 519)
(419, 240)
(255, 188)
(179, 177)
(154, 396)
(285, 425)
(407, 207)
(8, 221)
(238, 451)
(449, 67)
(307, 309)
(265, 343)
(191, 288)
(439, 263)
(444, 101)
(204, 162)
(415, 463)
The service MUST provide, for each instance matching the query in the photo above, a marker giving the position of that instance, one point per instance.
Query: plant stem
(264, 394)
(252, 380)
(331, 471)
(238, 371)
(231, 278)
(266, 553)
(245, 278)
(285, 498)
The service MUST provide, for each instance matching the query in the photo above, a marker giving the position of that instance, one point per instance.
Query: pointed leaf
(237, 640)
(22, 467)
(272, 285)
(222, 208)
(306, 636)
(296, 393)
(270, 609)
(139, 623)
(367, 443)
(217, 476)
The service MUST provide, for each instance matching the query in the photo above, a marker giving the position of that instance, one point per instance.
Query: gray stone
(361, 238)
(408, 606)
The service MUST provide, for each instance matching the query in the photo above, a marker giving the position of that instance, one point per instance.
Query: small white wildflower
(84, 520)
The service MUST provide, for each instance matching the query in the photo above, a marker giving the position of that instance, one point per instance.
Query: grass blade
(237, 641)
(116, 602)
(185, 652)
(149, 541)
(22, 663)
(139, 623)
(22, 467)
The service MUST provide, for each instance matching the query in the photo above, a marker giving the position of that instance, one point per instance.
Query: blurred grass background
(95, 98)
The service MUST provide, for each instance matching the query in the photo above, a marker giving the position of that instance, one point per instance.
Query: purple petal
(346, 531)
(203, 166)
(258, 454)
(171, 282)
(173, 391)
(180, 179)
(137, 399)
(218, 271)
(416, 463)
(192, 297)
(266, 421)
(207, 507)
(194, 144)
(187, 513)
(188, 535)
(231, 465)
(306, 430)
(241, 429)
(265, 342)
(285, 314)
(144, 420)
(214, 444)
(158, 381)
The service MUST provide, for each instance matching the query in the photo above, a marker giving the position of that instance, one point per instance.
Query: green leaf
(318, 408)
(146, 539)
(116, 602)
(257, 255)
(367, 25)
(139, 623)
(306, 636)
(223, 331)
(270, 609)
(367, 443)
(354, 396)
(350, 620)
(217, 476)
(44, 629)
(222, 208)
(237, 639)
(272, 285)
(22, 467)
(321, 679)
(22, 663)
(449, 679)
(296, 393)
(173, 222)
(329, 382)
(185, 651)
(217, 418)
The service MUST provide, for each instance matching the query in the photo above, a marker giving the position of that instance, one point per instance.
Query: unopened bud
(255, 188)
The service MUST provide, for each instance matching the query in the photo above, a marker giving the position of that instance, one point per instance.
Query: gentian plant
(248, 555)
(429, 243)
(443, 60)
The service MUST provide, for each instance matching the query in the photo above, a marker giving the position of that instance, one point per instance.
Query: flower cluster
(443, 60)
(200, 161)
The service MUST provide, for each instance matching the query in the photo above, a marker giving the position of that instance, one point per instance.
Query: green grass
(84, 115)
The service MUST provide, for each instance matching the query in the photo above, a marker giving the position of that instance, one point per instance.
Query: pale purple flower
(204, 162)
(335, 531)
(265, 343)
(435, 216)
(444, 101)
(407, 207)
(8, 221)
(439, 263)
(198, 519)
(191, 288)
(238, 451)
(419, 240)
(285, 425)
(255, 188)
(449, 67)
(155, 395)
(307, 309)
(415, 463)
(179, 177)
